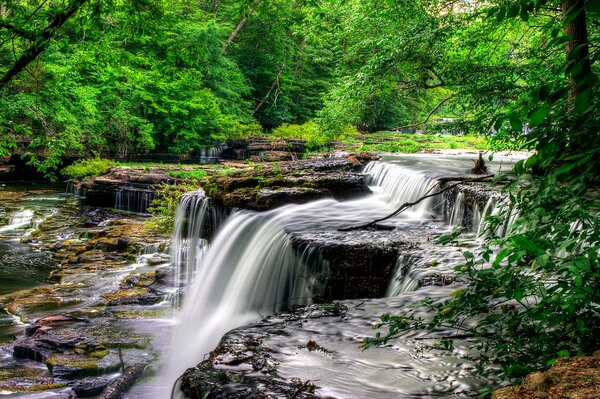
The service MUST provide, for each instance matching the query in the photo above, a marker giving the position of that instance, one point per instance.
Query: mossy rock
(71, 366)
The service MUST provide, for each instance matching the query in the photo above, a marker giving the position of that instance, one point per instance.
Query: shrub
(163, 207)
(87, 167)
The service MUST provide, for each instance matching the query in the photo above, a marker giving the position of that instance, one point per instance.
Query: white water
(133, 200)
(250, 268)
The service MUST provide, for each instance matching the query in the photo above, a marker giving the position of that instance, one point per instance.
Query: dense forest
(122, 77)
(125, 77)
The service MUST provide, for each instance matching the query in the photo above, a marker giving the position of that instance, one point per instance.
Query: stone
(90, 387)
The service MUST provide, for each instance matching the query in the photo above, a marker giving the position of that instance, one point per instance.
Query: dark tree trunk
(577, 48)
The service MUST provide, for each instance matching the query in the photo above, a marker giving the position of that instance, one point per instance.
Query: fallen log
(117, 387)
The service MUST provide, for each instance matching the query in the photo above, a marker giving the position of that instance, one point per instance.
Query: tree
(534, 292)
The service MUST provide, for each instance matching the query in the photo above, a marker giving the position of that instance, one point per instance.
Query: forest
(119, 78)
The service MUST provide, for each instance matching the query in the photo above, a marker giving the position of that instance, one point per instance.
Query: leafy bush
(87, 167)
(532, 295)
(163, 207)
(317, 139)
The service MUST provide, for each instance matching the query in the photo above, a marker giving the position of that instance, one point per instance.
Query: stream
(251, 268)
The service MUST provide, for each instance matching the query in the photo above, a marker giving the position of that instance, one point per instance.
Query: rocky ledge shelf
(277, 184)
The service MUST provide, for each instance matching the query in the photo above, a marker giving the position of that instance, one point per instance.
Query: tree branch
(275, 83)
(239, 27)
(42, 40)
(430, 113)
(407, 205)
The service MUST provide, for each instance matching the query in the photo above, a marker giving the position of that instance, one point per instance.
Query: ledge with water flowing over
(297, 252)
(277, 184)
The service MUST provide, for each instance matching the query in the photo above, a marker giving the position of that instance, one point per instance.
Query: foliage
(316, 138)
(531, 293)
(87, 167)
(194, 174)
(163, 207)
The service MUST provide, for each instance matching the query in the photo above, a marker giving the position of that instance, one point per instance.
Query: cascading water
(194, 219)
(210, 154)
(134, 200)
(250, 268)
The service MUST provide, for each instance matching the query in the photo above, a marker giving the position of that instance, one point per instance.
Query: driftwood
(407, 205)
(121, 384)
(479, 168)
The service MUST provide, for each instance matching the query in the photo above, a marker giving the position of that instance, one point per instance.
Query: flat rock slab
(274, 185)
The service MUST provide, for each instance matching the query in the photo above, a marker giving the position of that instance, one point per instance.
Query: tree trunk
(239, 27)
(577, 48)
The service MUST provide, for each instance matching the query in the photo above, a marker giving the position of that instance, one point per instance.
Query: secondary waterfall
(134, 200)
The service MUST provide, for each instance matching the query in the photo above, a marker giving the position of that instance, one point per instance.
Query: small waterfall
(497, 208)
(458, 211)
(476, 218)
(398, 185)
(18, 220)
(134, 200)
(192, 217)
(73, 190)
(211, 154)
(403, 280)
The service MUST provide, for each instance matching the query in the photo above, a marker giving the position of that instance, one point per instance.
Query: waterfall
(19, 219)
(211, 154)
(193, 217)
(249, 270)
(133, 200)
(403, 280)
(458, 211)
(398, 185)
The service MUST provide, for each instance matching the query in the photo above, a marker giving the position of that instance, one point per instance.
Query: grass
(412, 143)
(193, 174)
(87, 167)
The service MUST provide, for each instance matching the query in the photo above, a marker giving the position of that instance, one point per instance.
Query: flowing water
(250, 268)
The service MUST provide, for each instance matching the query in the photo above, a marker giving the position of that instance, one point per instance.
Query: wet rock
(240, 367)
(360, 263)
(71, 366)
(264, 148)
(17, 379)
(24, 302)
(134, 296)
(41, 346)
(291, 182)
(90, 387)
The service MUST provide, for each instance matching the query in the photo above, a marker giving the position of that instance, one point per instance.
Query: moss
(86, 365)
(42, 387)
(99, 353)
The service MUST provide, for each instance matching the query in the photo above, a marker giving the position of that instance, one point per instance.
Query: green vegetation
(128, 76)
(411, 143)
(164, 205)
(87, 167)
(194, 174)
(531, 294)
